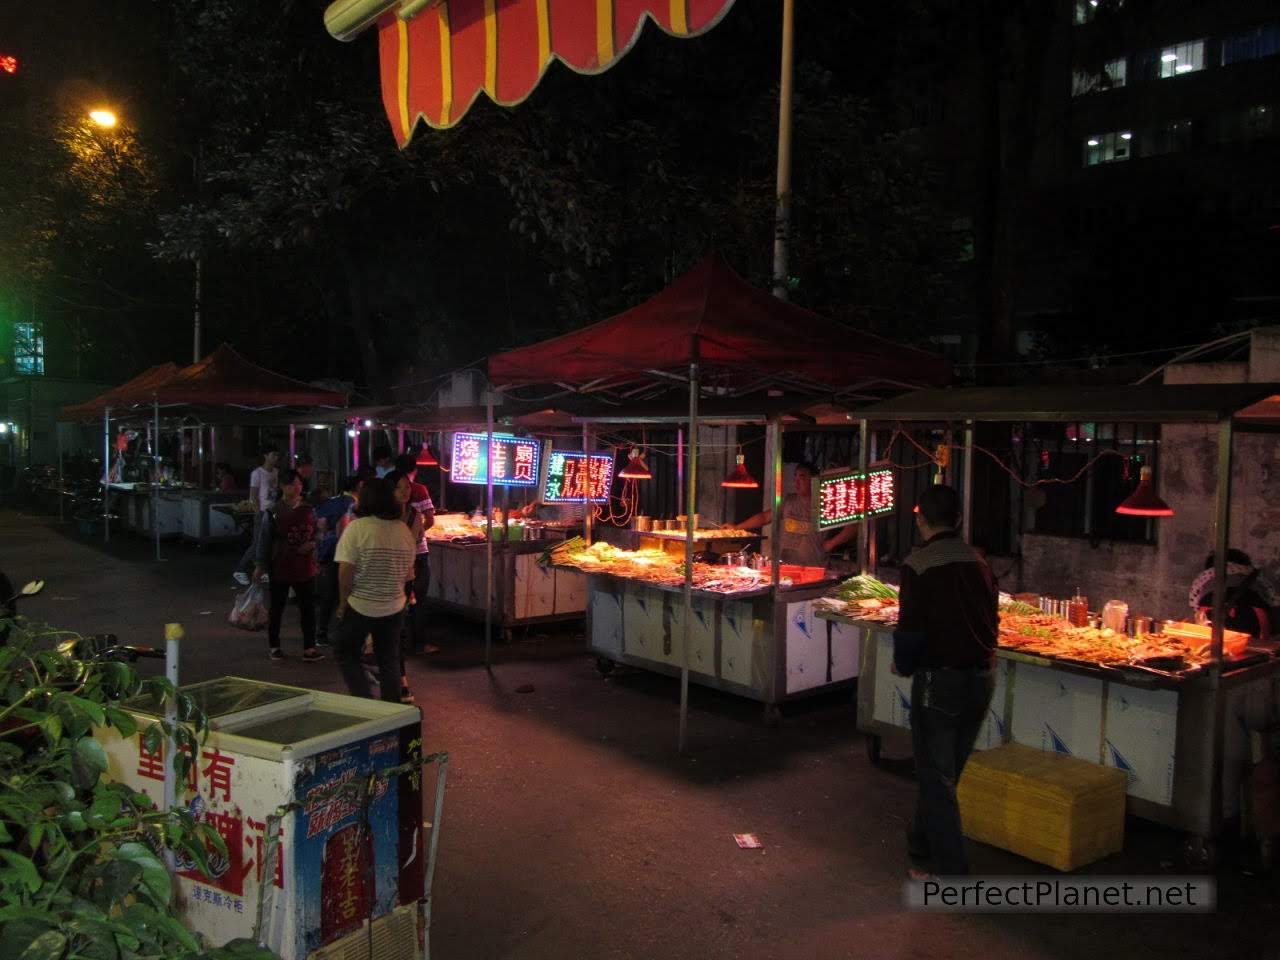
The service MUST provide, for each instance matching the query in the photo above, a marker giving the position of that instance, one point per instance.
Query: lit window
(1107, 148)
(28, 349)
(1182, 58)
(1110, 77)
(1252, 44)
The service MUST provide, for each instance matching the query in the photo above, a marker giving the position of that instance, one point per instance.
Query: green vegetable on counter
(865, 587)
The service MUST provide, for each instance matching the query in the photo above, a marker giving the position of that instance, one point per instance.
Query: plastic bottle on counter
(1115, 614)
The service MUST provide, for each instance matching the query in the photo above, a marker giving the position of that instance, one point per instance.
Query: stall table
(525, 592)
(760, 644)
(1147, 723)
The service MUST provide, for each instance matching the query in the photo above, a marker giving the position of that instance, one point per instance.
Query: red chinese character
(257, 843)
(150, 765)
(524, 462)
(498, 459)
(601, 469)
(218, 772)
(572, 478)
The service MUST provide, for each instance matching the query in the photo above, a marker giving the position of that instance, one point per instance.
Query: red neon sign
(570, 478)
(845, 496)
(514, 460)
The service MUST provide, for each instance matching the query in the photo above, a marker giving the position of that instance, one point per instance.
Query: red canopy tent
(141, 385)
(741, 336)
(712, 329)
(226, 379)
(222, 379)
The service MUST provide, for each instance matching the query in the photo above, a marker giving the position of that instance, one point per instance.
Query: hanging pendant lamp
(1144, 501)
(426, 458)
(740, 479)
(636, 468)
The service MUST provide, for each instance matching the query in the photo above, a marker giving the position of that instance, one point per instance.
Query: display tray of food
(656, 567)
(1178, 650)
(705, 534)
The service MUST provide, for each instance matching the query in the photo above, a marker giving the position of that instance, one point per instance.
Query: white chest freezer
(270, 745)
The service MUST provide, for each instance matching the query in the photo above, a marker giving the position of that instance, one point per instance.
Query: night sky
(938, 189)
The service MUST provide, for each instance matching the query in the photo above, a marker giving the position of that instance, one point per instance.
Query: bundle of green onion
(865, 587)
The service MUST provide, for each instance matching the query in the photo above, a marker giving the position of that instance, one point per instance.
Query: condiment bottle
(1078, 610)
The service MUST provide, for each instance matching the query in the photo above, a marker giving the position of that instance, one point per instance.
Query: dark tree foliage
(327, 251)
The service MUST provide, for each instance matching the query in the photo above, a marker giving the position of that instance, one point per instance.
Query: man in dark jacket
(945, 641)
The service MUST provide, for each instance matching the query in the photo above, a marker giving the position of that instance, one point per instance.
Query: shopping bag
(249, 612)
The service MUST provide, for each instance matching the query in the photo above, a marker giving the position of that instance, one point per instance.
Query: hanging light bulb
(636, 468)
(1144, 501)
(740, 479)
(426, 458)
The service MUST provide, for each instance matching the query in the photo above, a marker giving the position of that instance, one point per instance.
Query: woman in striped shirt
(375, 559)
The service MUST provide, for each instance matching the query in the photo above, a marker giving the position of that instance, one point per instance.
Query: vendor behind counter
(802, 542)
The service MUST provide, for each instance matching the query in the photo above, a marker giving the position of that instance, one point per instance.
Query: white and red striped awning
(438, 56)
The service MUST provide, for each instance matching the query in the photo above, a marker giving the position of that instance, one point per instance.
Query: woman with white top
(375, 559)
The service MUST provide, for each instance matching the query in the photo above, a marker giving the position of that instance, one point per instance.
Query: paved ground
(572, 828)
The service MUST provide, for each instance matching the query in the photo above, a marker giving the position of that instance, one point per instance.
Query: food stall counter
(1154, 724)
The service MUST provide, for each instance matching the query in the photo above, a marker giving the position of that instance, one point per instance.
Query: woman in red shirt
(289, 549)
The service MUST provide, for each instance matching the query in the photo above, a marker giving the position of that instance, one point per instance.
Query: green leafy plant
(82, 871)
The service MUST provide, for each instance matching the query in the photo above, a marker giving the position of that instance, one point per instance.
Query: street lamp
(103, 118)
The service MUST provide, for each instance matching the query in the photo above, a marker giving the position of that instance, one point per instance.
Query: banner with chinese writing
(330, 876)
(841, 497)
(515, 460)
(571, 479)
(234, 793)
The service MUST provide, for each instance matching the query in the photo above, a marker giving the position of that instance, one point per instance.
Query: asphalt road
(573, 829)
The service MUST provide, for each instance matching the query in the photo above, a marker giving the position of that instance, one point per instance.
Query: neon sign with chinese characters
(515, 460)
(846, 496)
(570, 479)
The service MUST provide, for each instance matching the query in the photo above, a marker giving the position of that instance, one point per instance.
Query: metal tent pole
(586, 492)
(488, 523)
(155, 474)
(679, 471)
(775, 509)
(1222, 542)
(864, 537)
(782, 223)
(293, 446)
(57, 434)
(966, 527)
(106, 474)
(691, 501)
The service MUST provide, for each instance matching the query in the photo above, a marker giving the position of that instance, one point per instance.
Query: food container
(1140, 626)
(1114, 615)
(642, 524)
(1078, 610)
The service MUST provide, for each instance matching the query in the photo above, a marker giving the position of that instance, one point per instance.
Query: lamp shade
(636, 468)
(426, 458)
(1144, 501)
(740, 479)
